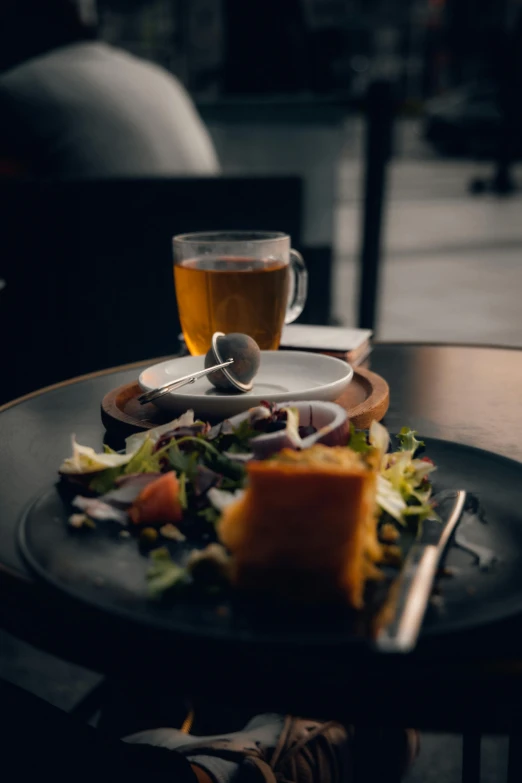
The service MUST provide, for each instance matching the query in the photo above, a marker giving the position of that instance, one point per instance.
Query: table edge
(10, 577)
(78, 379)
(146, 362)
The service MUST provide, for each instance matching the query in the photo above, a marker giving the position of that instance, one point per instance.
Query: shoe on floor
(281, 748)
(270, 748)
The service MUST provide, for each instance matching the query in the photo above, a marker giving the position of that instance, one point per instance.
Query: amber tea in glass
(250, 282)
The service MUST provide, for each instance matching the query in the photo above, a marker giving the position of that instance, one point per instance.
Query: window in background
(184, 36)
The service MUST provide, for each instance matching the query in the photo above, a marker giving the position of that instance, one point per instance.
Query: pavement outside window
(452, 262)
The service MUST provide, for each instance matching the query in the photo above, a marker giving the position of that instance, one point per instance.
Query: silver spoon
(153, 394)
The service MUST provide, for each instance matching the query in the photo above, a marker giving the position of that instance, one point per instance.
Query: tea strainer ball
(246, 356)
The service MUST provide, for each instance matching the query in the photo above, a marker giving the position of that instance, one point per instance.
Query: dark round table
(466, 394)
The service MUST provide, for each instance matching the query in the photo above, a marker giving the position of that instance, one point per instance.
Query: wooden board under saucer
(366, 399)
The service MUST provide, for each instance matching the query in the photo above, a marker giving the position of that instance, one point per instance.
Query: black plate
(103, 569)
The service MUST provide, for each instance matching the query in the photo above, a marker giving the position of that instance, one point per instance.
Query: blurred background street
(452, 262)
(450, 265)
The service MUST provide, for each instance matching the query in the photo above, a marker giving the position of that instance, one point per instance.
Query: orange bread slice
(306, 526)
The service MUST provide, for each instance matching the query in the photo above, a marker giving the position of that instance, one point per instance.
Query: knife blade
(415, 581)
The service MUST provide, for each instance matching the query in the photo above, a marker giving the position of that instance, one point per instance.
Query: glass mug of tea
(237, 281)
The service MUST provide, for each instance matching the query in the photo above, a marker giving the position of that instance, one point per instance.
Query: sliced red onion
(269, 443)
(99, 510)
(261, 413)
(204, 480)
(330, 420)
(237, 457)
(128, 488)
(114, 504)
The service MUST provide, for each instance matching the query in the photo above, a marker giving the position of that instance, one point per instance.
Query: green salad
(169, 485)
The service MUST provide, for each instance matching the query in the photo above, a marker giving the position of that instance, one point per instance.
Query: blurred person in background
(73, 107)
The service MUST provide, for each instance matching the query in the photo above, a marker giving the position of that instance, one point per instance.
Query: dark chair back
(88, 266)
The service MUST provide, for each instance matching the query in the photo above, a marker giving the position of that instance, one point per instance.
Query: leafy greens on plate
(170, 484)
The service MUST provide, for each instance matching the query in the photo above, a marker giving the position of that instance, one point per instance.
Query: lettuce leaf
(358, 441)
(104, 481)
(182, 478)
(164, 574)
(145, 459)
(408, 441)
(134, 442)
(407, 478)
(390, 500)
(181, 461)
(85, 460)
(379, 438)
(242, 435)
(138, 457)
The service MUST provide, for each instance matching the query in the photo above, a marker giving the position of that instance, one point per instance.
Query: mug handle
(297, 302)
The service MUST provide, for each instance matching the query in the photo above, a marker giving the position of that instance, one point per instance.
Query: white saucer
(283, 376)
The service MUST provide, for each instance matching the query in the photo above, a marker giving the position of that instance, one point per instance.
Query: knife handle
(414, 589)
